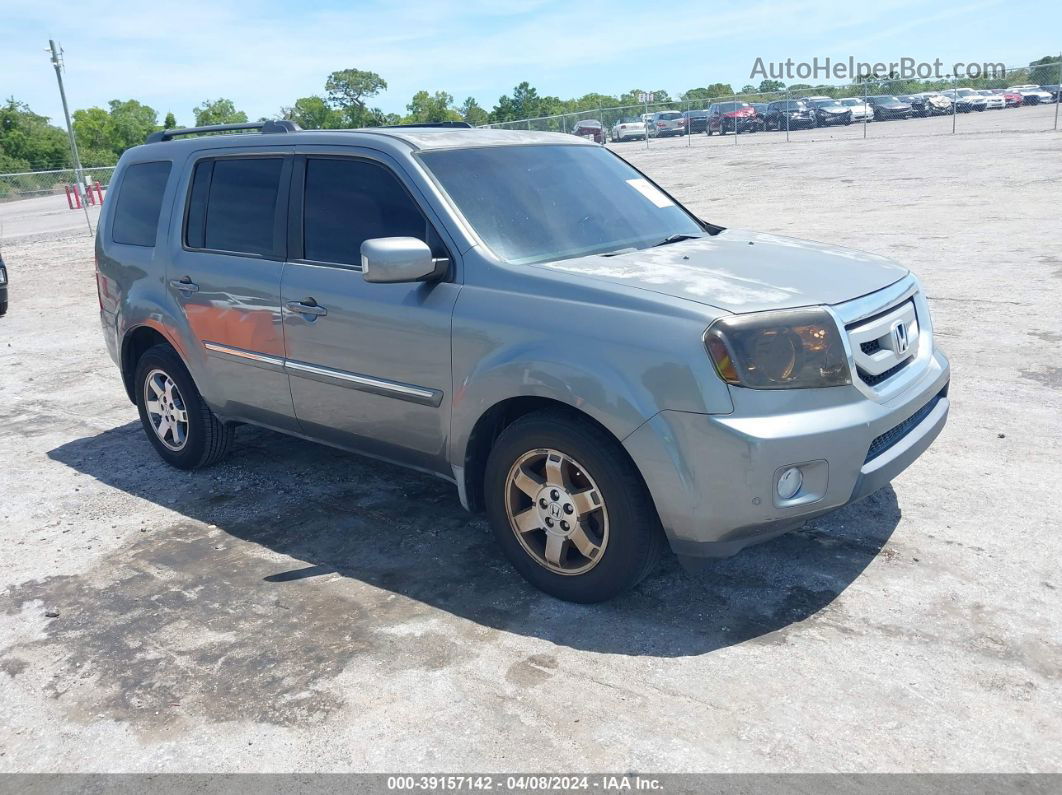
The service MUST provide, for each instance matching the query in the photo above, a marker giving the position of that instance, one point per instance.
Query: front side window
(136, 216)
(233, 205)
(348, 201)
(539, 203)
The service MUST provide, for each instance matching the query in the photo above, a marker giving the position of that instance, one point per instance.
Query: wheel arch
(135, 343)
(489, 427)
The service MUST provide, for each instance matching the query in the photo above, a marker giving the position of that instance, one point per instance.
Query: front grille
(874, 380)
(872, 346)
(892, 436)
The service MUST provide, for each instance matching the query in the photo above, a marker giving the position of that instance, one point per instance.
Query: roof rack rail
(458, 124)
(270, 126)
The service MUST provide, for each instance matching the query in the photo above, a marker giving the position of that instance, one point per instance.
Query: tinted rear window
(233, 205)
(136, 216)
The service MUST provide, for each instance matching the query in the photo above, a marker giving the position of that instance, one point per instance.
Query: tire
(3, 308)
(622, 522)
(206, 439)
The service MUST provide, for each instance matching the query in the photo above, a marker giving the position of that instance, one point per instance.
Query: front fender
(619, 365)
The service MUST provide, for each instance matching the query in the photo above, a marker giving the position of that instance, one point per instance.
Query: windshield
(729, 107)
(826, 103)
(540, 203)
(851, 102)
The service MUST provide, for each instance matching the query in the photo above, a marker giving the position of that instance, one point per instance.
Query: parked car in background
(993, 101)
(735, 117)
(860, 110)
(424, 297)
(816, 99)
(1012, 99)
(666, 123)
(936, 103)
(918, 103)
(3, 286)
(1031, 95)
(965, 99)
(590, 128)
(1053, 90)
(829, 112)
(696, 121)
(628, 129)
(792, 114)
(888, 107)
(761, 113)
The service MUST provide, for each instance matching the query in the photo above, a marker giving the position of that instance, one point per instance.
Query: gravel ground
(300, 609)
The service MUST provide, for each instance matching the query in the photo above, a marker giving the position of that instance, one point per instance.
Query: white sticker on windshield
(652, 193)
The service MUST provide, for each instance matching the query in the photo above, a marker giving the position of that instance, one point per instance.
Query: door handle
(185, 285)
(307, 306)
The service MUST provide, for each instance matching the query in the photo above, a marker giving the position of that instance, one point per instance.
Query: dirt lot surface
(298, 608)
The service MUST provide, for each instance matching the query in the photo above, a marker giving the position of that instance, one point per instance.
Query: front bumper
(714, 477)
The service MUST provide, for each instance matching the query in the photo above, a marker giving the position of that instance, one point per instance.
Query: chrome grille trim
(869, 309)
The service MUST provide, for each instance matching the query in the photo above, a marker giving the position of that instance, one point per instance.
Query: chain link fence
(1016, 99)
(31, 184)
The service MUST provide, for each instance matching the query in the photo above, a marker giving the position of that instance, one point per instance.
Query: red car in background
(1013, 100)
(735, 117)
(590, 128)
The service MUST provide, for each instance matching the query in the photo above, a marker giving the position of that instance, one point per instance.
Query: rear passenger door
(369, 364)
(225, 276)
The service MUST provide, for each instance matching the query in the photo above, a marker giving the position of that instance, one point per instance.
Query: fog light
(789, 483)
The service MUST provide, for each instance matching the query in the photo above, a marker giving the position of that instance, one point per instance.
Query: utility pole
(79, 174)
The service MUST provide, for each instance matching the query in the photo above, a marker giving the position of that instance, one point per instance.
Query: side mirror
(387, 260)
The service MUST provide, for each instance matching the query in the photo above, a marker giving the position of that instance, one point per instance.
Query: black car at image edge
(3, 287)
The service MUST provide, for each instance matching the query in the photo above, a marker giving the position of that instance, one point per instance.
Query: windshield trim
(473, 234)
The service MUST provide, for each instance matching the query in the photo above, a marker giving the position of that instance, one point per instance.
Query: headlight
(787, 349)
(3, 275)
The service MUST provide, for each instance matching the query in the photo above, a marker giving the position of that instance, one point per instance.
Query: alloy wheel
(166, 410)
(556, 511)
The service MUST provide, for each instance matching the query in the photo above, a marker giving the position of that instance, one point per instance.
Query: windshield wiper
(675, 239)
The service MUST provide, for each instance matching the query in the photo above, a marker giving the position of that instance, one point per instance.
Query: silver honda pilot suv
(525, 315)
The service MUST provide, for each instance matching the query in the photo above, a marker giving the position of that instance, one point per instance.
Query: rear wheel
(569, 509)
(178, 423)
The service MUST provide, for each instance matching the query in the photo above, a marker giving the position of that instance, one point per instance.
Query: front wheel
(178, 423)
(569, 509)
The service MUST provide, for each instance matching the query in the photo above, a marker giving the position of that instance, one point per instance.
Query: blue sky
(264, 53)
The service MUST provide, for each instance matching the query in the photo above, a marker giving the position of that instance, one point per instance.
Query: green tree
(170, 122)
(28, 141)
(472, 113)
(425, 107)
(131, 123)
(314, 113)
(218, 111)
(1044, 71)
(770, 86)
(348, 90)
(93, 131)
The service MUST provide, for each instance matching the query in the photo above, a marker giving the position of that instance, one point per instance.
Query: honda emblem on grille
(900, 342)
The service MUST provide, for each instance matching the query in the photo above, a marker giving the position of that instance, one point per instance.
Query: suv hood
(743, 271)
